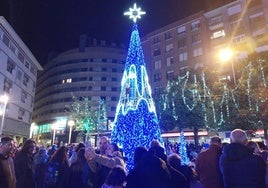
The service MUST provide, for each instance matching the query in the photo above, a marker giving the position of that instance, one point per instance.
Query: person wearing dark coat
(24, 165)
(239, 166)
(207, 165)
(151, 171)
(7, 173)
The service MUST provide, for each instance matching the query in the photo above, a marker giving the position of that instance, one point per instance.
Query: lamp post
(225, 55)
(32, 129)
(70, 123)
(54, 127)
(3, 100)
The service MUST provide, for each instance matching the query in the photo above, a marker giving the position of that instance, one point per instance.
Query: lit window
(169, 61)
(69, 80)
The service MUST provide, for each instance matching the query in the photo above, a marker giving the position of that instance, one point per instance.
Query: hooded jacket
(241, 168)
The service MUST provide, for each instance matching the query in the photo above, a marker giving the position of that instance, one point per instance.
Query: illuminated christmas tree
(183, 150)
(135, 123)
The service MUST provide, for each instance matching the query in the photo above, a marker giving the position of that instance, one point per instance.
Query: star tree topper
(134, 13)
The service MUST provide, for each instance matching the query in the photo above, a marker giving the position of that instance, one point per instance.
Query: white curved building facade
(94, 72)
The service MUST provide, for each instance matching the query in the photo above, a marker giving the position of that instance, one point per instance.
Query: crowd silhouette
(238, 164)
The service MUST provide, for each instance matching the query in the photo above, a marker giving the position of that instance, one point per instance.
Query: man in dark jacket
(207, 165)
(241, 168)
(24, 165)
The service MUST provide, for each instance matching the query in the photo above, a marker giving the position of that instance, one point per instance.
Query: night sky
(55, 25)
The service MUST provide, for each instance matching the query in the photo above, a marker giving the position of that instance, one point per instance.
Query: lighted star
(134, 13)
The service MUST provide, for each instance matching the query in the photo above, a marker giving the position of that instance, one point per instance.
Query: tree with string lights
(136, 122)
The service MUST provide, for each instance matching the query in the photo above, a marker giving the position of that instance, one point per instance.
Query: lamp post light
(3, 100)
(32, 129)
(225, 55)
(70, 123)
(54, 127)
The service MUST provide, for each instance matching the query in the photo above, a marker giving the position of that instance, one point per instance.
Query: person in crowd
(239, 166)
(255, 148)
(104, 143)
(52, 150)
(24, 165)
(40, 164)
(7, 172)
(56, 167)
(116, 178)
(79, 175)
(150, 171)
(74, 155)
(178, 179)
(207, 165)
(102, 164)
(158, 150)
(174, 160)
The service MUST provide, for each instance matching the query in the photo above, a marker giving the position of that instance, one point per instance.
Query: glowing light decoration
(183, 150)
(136, 122)
(134, 13)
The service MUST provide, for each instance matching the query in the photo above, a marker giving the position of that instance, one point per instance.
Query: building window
(217, 34)
(239, 39)
(182, 43)
(69, 80)
(114, 89)
(114, 79)
(21, 113)
(170, 61)
(103, 88)
(7, 86)
(170, 75)
(157, 52)
(10, 66)
(157, 77)
(6, 40)
(25, 80)
(195, 25)
(103, 78)
(181, 29)
(197, 52)
(169, 47)
(114, 70)
(183, 57)
(196, 38)
(157, 65)
(21, 57)
(168, 36)
(104, 69)
(156, 40)
(23, 97)
(27, 64)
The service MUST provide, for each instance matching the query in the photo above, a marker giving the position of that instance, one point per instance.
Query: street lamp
(225, 55)
(70, 123)
(54, 127)
(32, 129)
(3, 100)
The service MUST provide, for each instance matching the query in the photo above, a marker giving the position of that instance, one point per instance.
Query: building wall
(18, 76)
(94, 72)
(240, 25)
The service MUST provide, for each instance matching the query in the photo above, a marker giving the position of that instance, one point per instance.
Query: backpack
(52, 173)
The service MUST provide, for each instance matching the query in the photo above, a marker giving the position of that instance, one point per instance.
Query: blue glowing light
(136, 122)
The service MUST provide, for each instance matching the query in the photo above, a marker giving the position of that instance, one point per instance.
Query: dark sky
(55, 25)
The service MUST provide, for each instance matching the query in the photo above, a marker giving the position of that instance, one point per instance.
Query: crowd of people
(238, 164)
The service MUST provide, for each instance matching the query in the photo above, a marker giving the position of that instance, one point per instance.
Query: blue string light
(136, 122)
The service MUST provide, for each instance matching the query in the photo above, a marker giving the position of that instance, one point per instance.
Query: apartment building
(93, 70)
(18, 75)
(194, 41)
